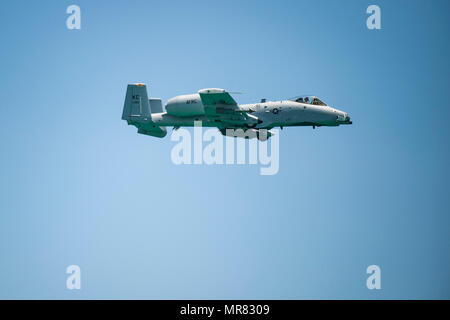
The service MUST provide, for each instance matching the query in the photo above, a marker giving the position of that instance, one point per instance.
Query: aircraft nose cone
(347, 119)
(342, 117)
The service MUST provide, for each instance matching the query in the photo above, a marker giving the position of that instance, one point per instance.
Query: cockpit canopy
(308, 100)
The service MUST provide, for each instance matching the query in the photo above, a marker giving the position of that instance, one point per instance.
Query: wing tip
(211, 90)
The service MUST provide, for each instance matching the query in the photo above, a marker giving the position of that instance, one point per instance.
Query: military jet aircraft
(216, 108)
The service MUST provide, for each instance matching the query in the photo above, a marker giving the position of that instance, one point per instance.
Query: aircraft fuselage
(282, 113)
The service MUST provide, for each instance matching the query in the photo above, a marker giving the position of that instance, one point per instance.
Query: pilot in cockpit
(316, 101)
(309, 100)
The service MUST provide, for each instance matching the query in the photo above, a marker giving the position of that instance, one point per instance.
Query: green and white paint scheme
(216, 108)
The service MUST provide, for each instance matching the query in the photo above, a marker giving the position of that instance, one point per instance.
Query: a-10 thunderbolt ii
(216, 108)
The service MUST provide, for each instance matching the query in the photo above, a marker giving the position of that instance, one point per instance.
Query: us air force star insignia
(275, 111)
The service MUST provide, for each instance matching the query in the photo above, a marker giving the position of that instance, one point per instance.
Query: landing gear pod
(260, 134)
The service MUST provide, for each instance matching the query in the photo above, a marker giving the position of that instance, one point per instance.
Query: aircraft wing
(213, 97)
(220, 106)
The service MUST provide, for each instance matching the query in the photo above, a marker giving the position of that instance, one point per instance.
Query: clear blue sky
(79, 186)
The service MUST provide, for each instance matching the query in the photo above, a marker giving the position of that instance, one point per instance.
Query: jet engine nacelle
(185, 106)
